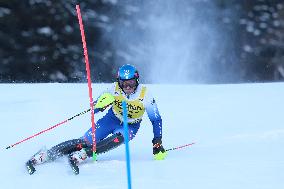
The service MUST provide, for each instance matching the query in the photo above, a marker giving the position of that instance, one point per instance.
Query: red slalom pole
(179, 147)
(89, 79)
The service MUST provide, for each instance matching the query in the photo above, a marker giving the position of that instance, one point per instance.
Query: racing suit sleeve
(154, 115)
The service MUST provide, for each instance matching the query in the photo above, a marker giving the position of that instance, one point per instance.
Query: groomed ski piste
(238, 130)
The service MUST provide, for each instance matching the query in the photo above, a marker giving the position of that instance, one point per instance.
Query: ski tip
(8, 147)
(30, 168)
(73, 165)
(75, 170)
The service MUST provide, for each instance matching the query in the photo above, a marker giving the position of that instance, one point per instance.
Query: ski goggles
(132, 83)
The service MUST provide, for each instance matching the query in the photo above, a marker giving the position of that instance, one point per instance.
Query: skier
(138, 100)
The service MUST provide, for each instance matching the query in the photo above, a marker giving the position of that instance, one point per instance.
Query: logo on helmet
(127, 74)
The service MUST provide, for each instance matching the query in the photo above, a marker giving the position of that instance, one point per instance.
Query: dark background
(41, 42)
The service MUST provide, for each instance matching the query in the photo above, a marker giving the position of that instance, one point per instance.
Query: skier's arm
(104, 100)
(155, 117)
(156, 120)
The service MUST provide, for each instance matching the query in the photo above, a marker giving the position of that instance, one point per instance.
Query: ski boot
(40, 157)
(75, 158)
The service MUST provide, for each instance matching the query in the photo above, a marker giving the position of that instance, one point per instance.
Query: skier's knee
(131, 134)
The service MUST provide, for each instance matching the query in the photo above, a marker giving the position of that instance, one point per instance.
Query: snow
(238, 130)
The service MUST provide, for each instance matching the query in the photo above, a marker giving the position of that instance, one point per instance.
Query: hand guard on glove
(104, 101)
(158, 150)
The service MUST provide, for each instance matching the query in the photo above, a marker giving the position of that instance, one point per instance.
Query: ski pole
(179, 147)
(61, 123)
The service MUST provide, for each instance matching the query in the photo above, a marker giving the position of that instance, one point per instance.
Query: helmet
(128, 72)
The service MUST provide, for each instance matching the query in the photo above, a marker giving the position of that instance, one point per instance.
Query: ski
(30, 167)
(73, 165)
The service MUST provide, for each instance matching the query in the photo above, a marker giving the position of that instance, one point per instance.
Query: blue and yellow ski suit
(137, 103)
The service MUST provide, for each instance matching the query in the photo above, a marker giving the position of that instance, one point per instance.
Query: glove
(158, 150)
(105, 100)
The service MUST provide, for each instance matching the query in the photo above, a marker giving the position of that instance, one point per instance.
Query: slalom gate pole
(179, 147)
(126, 137)
(43, 131)
(89, 80)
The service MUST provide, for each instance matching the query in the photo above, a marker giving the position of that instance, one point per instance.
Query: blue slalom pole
(126, 137)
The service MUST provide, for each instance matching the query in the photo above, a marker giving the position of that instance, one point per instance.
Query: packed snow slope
(238, 130)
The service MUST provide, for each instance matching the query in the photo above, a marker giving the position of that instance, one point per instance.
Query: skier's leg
(109, 124)
(65, 148)
(37, 158)
(117, 138)
(104, 126)
(109, 143)
(102, 146)
(132, 130)
(55, 152)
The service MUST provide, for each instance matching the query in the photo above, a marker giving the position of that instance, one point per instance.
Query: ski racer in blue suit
(109, 129)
